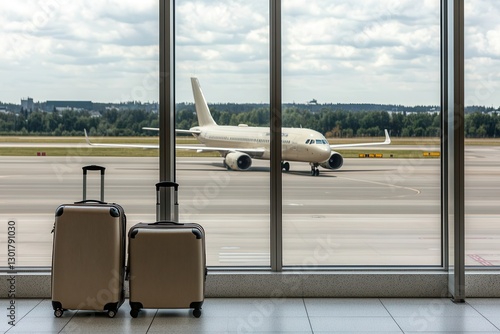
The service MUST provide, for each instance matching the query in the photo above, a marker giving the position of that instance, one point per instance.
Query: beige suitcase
(166, 266)
(88, 258)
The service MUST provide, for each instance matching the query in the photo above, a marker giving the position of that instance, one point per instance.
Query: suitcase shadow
(164, 313)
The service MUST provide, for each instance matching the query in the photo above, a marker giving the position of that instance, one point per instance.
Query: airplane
(238, 145)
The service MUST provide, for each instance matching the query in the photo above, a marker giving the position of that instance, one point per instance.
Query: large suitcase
(167, 265)
(88, 256)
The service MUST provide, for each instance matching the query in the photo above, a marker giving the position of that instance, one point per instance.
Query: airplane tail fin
(202, 111)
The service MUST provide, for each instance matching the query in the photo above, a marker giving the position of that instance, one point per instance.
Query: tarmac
(371, 212)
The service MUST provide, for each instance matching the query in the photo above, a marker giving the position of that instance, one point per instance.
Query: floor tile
(99, 322)
(495, 320)
(21, 306)
(483, 301)
(261, 315)
(488, 307)
(428, 308)
(454, 332)
(40, 319)
(40, 325)
(445, 324)
(15, 310)
(250, 324)
(231, 307)
(337, 307)
(354, 324)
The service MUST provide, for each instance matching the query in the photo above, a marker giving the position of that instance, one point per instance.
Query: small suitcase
(166, 265)
(88, 257)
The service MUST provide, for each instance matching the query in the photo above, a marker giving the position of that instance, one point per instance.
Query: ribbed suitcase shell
(167, 266)
(88, 259)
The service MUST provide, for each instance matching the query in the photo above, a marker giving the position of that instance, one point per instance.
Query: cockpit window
(316, 141)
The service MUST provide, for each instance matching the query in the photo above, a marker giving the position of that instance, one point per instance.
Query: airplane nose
(324, 152)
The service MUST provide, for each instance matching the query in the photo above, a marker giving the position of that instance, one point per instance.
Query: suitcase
(166, 264)
(88, 256)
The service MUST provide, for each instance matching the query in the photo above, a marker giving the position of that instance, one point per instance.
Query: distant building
(27, 104)
(69, 105)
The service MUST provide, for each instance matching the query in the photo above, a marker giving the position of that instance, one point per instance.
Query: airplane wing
(254, 152)
(176, 130)
(117, 145)
(387, 141)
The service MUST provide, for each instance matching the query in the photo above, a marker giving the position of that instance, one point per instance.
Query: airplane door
(290, 149)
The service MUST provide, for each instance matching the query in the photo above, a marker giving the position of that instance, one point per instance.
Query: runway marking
(479, 259)
(383, 184)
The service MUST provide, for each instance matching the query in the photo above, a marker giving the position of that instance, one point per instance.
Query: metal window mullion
(444, 135)
(453, 145)
(276, 222)
(166, 108)
(459, 152)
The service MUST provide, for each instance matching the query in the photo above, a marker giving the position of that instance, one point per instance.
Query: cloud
(60, 49)
(381, 51)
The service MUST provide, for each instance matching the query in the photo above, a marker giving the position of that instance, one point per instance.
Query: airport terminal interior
(352, 244)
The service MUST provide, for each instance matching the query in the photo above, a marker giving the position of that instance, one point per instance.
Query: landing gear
(285, 166)
(314, 169)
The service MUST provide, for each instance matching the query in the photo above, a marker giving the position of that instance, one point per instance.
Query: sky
(334, 51)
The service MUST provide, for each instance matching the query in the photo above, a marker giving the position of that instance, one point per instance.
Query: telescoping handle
(174, 205)
(93, 168)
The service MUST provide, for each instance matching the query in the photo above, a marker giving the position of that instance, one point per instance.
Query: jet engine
(238, 161)
(334, 162)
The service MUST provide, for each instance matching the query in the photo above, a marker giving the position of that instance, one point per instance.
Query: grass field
(85, 150)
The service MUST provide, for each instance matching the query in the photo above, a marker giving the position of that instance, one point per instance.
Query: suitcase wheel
(58, 313)
(134, 313)
(111, 313)
(197, 312)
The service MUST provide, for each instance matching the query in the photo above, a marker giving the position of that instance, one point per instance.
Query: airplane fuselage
(297, 144)
(240, 144)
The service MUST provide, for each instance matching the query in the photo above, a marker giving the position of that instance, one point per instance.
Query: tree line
(332, 123)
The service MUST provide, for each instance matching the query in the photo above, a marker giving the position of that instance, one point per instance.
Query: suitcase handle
(174, 207)
(93, 168)
(165, 222)
(91, 201)
(167, 184)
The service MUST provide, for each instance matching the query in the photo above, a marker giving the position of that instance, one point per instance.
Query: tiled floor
(297, 315)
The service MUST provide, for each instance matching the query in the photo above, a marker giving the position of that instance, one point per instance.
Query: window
(225, 45)
(75, 65)
(482, 128)
(351, 70)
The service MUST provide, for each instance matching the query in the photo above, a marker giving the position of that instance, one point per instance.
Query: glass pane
(68, 67)
(482, 128)
(222, 56)
(351, 70)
